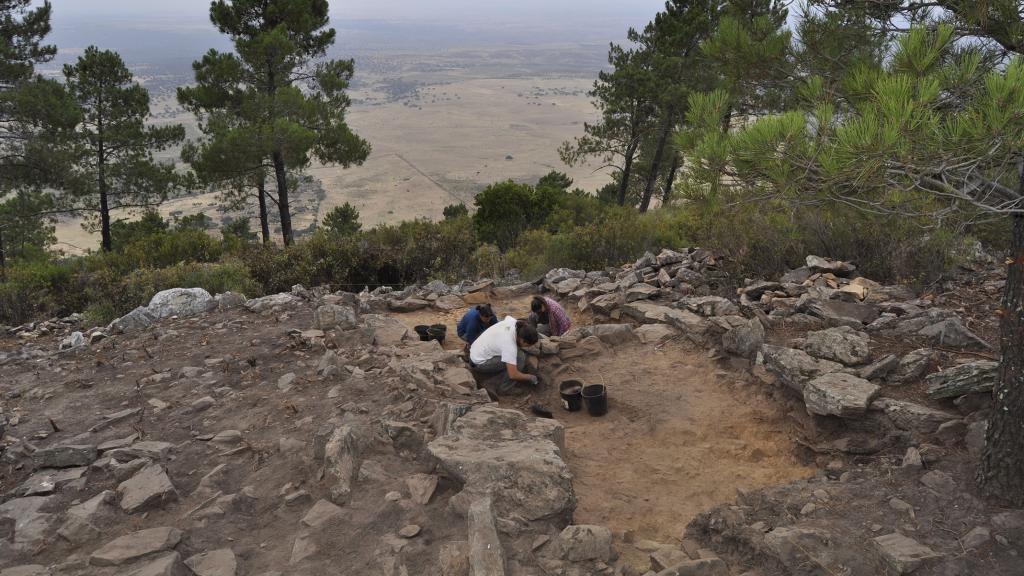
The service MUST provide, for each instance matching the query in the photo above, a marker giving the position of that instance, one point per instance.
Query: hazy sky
(454, 11)
(178, 31)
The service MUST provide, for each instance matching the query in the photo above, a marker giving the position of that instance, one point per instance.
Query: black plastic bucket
(596, 398)
(424, 331)
(571, 392)
(437, 332)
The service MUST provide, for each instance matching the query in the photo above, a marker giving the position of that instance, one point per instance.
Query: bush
(768, 238)
(124, 232)
(503, 211)
(487, 261)
(139, 288)
(198, 221)
(34, 290)
(452, 211)
(342, 220)
(619, 235)
(236, 233)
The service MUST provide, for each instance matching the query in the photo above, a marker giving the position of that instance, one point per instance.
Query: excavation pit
(681, 434)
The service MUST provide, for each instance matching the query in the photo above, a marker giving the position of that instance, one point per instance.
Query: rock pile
(290, 433)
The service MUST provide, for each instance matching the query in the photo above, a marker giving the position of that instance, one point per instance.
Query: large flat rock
(795, 368)
(512, 457)
(148, 488)
(131, 547)
(31, 525)
(841, 344)
(486, 556)
(963, 379)
(913, 417)
(213, 563)
(903, 554)
(839, 394)
(64, 456)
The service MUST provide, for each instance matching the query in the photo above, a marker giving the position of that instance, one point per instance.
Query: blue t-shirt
(471, 326)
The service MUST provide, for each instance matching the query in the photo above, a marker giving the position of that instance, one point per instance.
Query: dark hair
(526, 333)
(485, 310)
(537, 304)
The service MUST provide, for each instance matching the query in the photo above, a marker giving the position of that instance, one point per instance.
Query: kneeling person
(500, 349)
(475, 322)
(548, 317)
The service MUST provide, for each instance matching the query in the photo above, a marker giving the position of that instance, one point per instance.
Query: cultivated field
(442, 127)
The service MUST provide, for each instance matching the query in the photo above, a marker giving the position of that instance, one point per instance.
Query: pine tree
(114, 167)
(287, 99)
(26, 224)
(626, 117)
(34, 113)
(231, 158)
(36, 118)
(933, 132)
(23, 28)
(679, 67)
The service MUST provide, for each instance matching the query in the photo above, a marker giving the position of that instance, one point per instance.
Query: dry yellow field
(440, 145)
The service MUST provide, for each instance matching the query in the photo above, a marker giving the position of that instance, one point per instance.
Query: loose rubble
(375, 452)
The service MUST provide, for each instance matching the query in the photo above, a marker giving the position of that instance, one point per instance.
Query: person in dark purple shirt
(475, 321)
(548, 317)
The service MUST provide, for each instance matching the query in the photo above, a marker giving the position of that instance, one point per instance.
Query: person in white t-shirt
(500, 349)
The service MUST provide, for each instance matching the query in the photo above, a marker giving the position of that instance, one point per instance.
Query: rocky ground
(820, 423)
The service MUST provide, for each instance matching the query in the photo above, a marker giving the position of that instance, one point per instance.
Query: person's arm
(460, 328)
(473, 331)
(515, 374)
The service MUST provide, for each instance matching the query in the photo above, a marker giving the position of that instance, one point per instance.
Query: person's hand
(533, 380)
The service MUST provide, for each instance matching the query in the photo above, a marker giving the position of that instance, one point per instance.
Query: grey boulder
(841, 344)
(839, 394)
(514, 458)
(181, 302)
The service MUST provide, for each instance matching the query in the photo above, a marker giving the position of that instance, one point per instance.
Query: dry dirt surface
(681, 435)
(291, 436)
(662, 453)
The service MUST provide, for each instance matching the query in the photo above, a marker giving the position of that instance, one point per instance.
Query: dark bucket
(571, 392)
(596, 398)
(424, 332)
(437, 332)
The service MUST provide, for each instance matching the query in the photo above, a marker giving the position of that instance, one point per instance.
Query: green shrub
(487, 261)
(455, 211)
(35, 290)
(619, 235)
(140, 287)
(342, 220)
(124, 232)
(767, 238)
(503, 211)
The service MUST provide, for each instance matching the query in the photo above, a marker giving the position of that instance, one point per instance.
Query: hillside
(818, 423)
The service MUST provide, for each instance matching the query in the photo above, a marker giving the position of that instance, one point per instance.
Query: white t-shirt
(498, 340)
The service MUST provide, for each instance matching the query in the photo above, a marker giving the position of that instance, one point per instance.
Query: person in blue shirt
(475, 321)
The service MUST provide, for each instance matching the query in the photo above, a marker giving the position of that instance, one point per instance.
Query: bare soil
(681, 434)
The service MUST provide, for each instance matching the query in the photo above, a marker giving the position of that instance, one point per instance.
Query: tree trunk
(624, 186)
(101, 182)
(282, 198)
(667, 195)
(3, 256)
(659, 151)
(261, 188)
(1002, 464)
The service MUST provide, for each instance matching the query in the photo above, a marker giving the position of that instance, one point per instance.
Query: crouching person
(500, 349)
(548, 317)
(475, 322)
